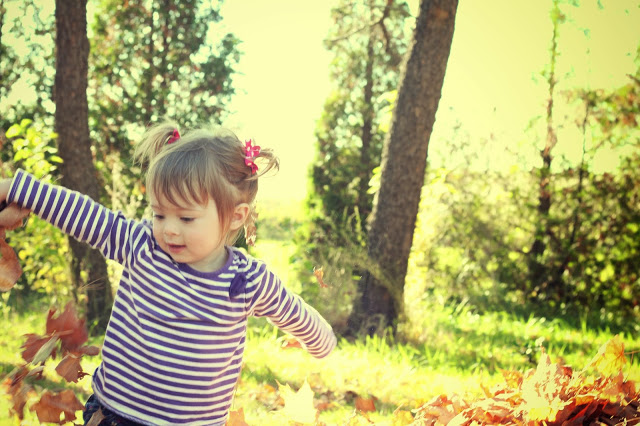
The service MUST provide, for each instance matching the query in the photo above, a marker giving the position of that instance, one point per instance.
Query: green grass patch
(463, 350)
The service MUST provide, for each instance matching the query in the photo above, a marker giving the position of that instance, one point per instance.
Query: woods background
(546, 225)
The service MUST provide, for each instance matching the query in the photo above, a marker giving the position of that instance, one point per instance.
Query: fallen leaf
(46, 350)
(17, 390)
(365, 404)
(610, 358)
(32, 346)
(298, 406)
(72, 330)
(319, 274)
(70, 369)
(290, 342)
(90, 350)
(10, 269)
(236, 418)
(96, 418)
(52, 405)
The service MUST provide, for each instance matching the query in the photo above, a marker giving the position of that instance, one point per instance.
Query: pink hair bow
(251, 152)
(174, 136)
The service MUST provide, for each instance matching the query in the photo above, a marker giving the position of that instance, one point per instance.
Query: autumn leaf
(17, 390)
(610, 358)
(52, 405)
(319, 274)
(45, 350)
(290, 342)
(89, 350)
(10, 269)
(70, 369)
(33, 345)
(96, 418)
(298, 406)
(236, 418)
(365, 404)
(73, 332)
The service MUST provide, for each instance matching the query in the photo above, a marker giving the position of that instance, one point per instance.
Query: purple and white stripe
(173, 349)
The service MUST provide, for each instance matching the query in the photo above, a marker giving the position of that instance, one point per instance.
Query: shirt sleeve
(75, 214)
(290, 313)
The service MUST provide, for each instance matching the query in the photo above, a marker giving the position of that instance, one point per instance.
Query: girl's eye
(158, 216)
(186, 219)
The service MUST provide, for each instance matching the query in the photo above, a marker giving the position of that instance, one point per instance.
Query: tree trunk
(381, 294)
(74, 145)
(542, 279)
(367, 129)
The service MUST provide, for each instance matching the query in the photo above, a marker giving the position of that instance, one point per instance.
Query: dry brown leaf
(17, 390)
(319, 274)
(90, 350)
(46, 350)
(365, 404)
(32, 346)
(72, 330)
(610, 358)
(96, 418)
(290, 342)
(10, 269)
(236, 418)
(70, 369)
(52, 405)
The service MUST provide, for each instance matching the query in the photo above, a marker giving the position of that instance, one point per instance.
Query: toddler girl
(172, 352)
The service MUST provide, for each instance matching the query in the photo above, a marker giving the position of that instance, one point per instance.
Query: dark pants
(110, 418)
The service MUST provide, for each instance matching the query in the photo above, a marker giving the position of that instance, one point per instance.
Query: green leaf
(633, 227)
(13, 131)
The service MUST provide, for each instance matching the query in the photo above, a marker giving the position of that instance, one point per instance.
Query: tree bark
(74, 145)
(381, 294)
(542, 279)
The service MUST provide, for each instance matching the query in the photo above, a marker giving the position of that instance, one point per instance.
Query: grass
(464, 351)
(453, 350)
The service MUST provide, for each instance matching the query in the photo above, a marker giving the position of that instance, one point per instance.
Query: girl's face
(190, 233)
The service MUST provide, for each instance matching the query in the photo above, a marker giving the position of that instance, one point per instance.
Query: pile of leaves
(65, 336)
(550, 394)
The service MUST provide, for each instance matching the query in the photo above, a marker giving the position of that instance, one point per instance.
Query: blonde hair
(203, 163)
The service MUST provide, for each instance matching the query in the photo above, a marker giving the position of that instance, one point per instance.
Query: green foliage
(475, 230)
(150, 61)
(368, 40)
(41, 248)
(26, 60)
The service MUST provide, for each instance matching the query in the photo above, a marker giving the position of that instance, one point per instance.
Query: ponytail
(153, 140)
(266, 161)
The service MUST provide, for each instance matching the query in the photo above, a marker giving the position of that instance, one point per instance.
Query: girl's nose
(170, 228)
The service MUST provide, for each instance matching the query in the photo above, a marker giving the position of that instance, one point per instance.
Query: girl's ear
(240, 214)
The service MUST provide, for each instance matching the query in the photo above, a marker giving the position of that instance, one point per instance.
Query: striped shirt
(172, 352)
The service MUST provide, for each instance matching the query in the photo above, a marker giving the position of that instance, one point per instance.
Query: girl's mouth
(175, 248)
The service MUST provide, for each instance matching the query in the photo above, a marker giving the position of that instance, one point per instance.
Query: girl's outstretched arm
(75, 214)
(290, 313)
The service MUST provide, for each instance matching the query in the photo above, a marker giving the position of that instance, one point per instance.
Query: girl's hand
(11, 215)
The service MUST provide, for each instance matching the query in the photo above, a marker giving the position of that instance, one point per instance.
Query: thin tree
(74, 145)
(380, 301)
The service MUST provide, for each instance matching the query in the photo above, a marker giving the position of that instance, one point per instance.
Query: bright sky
(492, 85)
